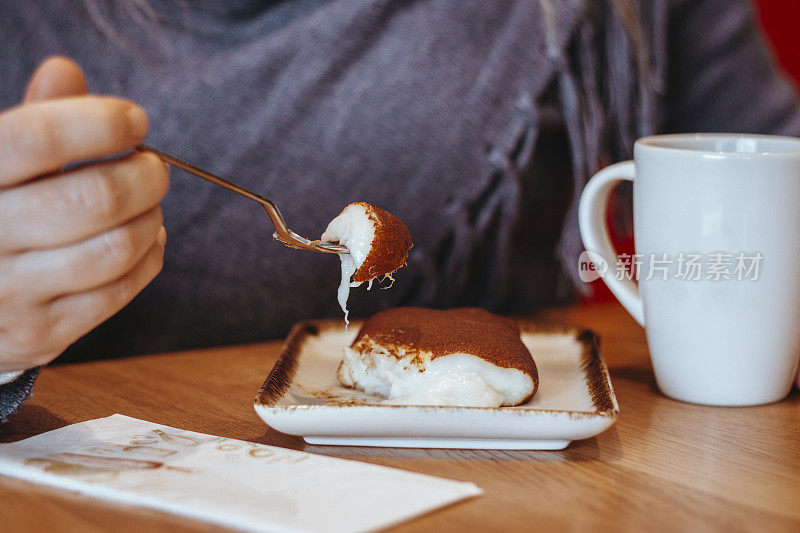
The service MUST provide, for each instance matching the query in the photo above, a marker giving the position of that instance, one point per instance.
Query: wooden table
(663, 466)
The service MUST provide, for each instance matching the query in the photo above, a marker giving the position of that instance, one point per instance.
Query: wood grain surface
(664, 466)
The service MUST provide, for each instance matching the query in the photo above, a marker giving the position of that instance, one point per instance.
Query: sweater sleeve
(720, 75)
(14, 393)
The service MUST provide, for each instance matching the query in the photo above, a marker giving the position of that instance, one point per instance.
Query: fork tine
(293, 240)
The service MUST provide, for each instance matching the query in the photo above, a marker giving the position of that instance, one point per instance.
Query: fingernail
(162, 236)
(138, 121)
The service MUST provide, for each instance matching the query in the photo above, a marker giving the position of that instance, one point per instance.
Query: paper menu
(235, 483)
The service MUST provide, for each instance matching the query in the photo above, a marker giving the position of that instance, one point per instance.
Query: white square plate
(302, 396)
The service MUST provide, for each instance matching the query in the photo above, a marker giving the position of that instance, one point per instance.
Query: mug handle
(592, 225)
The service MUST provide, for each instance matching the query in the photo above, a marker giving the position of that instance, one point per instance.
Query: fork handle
(271, 208)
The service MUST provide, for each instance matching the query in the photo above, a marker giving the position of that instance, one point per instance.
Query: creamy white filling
(348, 269)
(457, 379)
(354, 230)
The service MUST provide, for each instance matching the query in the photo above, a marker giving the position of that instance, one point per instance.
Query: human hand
(75, 246)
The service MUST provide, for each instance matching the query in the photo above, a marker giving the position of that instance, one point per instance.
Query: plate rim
(595, 372)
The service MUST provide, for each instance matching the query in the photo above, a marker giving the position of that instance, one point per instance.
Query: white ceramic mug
(716, 222)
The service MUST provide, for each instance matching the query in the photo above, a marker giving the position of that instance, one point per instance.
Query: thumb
(56, 77)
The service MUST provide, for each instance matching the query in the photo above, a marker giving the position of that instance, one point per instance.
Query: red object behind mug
(779, 20)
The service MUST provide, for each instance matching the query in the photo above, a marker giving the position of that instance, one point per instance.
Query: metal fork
(282, 233)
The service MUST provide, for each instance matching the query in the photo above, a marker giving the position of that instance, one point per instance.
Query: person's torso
(430, 112)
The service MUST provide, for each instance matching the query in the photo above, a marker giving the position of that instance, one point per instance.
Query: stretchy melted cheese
(464, 357)
(377, 240)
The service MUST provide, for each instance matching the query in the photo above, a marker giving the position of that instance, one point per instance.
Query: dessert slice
(463, 357)
(377, 240)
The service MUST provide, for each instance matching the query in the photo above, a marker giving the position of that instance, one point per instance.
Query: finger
(75, 315)
(10, 362)
(56, 77)
(41, 137)
(46, 274)
(72, 207)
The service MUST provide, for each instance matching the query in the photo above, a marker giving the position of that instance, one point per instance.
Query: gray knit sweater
(476, 122)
